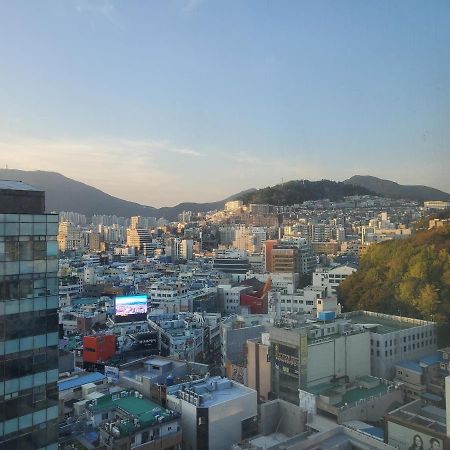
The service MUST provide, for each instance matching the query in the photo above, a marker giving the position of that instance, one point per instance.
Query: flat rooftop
(352, 394)
(419, 413)
(80, 381)
(384, 323)
(15, 185)
(145, 411)
(213, 391)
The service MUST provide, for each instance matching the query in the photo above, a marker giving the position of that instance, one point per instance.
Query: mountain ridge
(67, 194)
(392, 189)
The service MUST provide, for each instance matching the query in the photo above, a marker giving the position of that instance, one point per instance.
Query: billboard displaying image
(407, 439)
(131, 304)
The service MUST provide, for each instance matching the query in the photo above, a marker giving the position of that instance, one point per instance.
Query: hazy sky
(175, 100)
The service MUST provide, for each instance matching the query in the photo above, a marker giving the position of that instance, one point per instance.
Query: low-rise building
(215, 413)
(127, 421)
(417, 425)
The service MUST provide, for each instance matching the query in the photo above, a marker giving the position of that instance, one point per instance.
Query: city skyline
(196, 100)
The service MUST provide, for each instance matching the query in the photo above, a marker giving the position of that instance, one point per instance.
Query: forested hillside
(299, 191)
(408, 277)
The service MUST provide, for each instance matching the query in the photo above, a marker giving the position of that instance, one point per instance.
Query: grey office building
(28, 320)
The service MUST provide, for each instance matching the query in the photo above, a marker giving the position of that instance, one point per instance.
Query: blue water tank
(327, 316)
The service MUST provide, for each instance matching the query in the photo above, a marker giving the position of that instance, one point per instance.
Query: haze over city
(191, 100)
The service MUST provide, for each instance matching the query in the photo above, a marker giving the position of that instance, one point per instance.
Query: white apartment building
(187, 249)
(250, 239)
(229, 297)
(311, 299)
(394, 339)
(330, 278)
(233, 205)
(69, 237)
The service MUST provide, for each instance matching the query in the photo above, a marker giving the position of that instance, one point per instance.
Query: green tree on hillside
(408, 277)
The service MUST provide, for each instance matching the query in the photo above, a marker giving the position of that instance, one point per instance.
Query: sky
(166, 101)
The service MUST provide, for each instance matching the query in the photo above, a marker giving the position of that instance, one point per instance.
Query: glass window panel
(52, 286)
(12, 346)
(40, 249)
(52, 229)
(26, 266)
(52, 248)
(39, 416)
(52, 302)
(26, 228)
(12, 307)
(52, 265)
(52, 339)
(40, 303)
(40, 341)
(11, 425)
(26, 305)
(11, 251)
(12, 229)
(26, 250)
(11, 268)
(40, 266)
(40, 229)
(11, 385)
(25, 421)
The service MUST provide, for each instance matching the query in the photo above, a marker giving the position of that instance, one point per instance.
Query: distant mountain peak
(392, 189)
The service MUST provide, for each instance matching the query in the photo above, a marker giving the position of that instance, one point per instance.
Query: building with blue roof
(423, 378)
(78, 381)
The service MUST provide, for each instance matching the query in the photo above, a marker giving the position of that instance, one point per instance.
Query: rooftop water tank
(327, 316)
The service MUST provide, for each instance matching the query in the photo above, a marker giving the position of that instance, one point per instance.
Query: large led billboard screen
(131, 304)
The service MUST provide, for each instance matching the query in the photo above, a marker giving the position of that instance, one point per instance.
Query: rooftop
(384, 323)
(361, 389)
(420, 413)
(211, 392)
(141, 412)
(80, 381)
(14, 185)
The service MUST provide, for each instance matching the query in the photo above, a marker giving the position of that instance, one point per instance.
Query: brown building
(285, 260)
(268, 247)
(94, 241)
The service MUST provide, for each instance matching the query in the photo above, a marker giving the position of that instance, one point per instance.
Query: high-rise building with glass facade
(28, 320)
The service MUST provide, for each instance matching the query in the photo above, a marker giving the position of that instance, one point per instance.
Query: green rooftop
(353, 393)
(146, 411)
